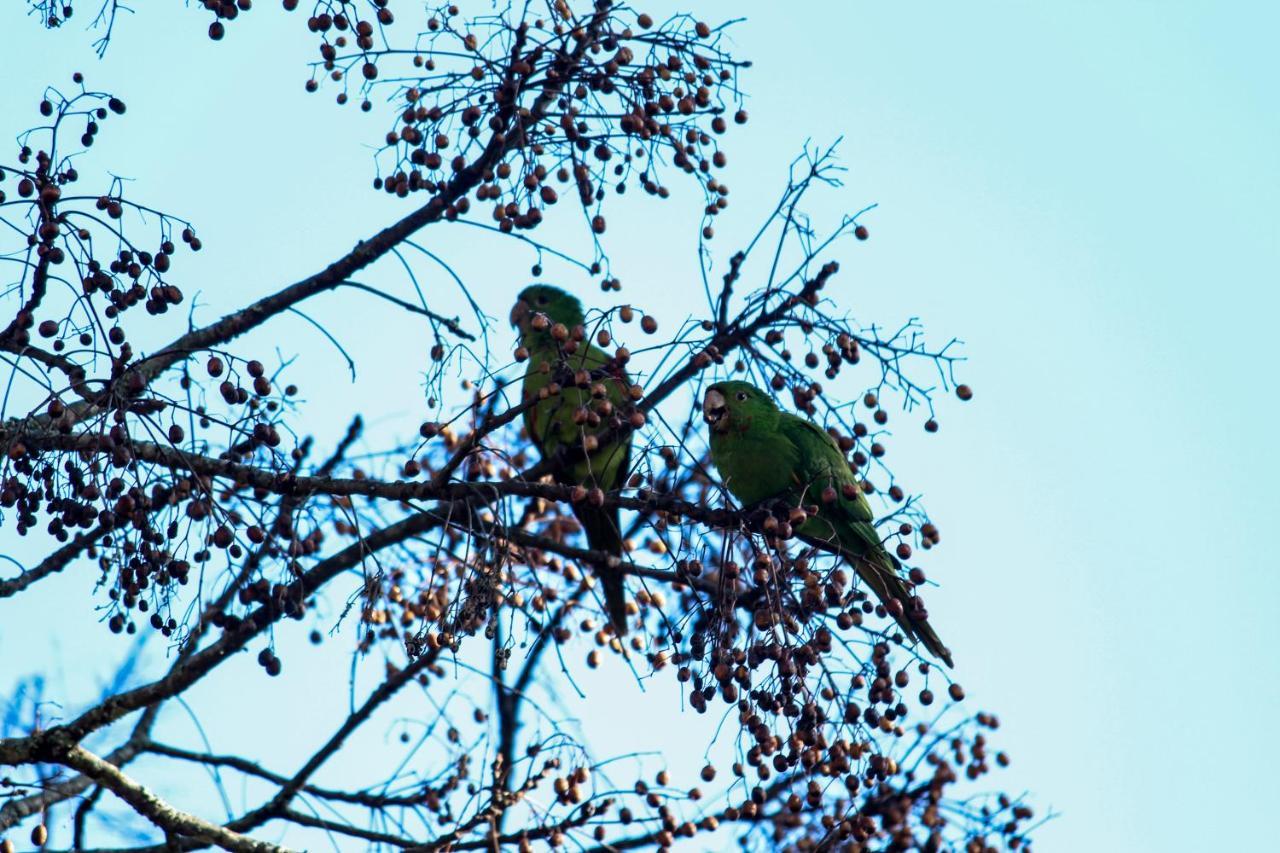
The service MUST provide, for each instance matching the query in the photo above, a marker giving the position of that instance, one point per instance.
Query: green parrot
(763, 452)
(546, 316)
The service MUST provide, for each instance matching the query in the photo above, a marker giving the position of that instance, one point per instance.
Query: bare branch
(156, 810)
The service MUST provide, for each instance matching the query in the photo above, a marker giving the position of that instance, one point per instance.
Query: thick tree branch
(163, 815)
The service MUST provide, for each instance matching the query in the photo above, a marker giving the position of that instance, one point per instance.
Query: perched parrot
(574, 416)
(763, 452)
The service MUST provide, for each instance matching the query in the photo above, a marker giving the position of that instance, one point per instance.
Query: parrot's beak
(519, 311)
(713, 408)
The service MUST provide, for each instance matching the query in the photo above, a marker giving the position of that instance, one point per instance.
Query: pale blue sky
(1085, 192)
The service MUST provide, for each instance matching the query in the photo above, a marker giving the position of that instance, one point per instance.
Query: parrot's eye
(742, 395)
(542, 300)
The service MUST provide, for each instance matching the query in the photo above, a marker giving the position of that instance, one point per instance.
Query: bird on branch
(580, 389)
(763, 453)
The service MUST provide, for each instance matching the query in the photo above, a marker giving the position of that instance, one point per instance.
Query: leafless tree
(183, 476)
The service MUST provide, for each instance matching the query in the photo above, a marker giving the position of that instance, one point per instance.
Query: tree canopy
(169, 463)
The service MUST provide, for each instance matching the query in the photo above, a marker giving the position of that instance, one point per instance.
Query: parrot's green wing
(553, 423)
(845, 524)
(821, 465)
(550, 423)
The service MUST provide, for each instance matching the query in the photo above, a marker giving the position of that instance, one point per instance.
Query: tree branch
(158, 811)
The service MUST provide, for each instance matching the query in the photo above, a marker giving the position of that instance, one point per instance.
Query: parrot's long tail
(880, 572)
(888, 585)
(604, 534)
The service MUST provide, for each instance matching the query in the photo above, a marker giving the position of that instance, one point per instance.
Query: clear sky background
(1086, 193)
